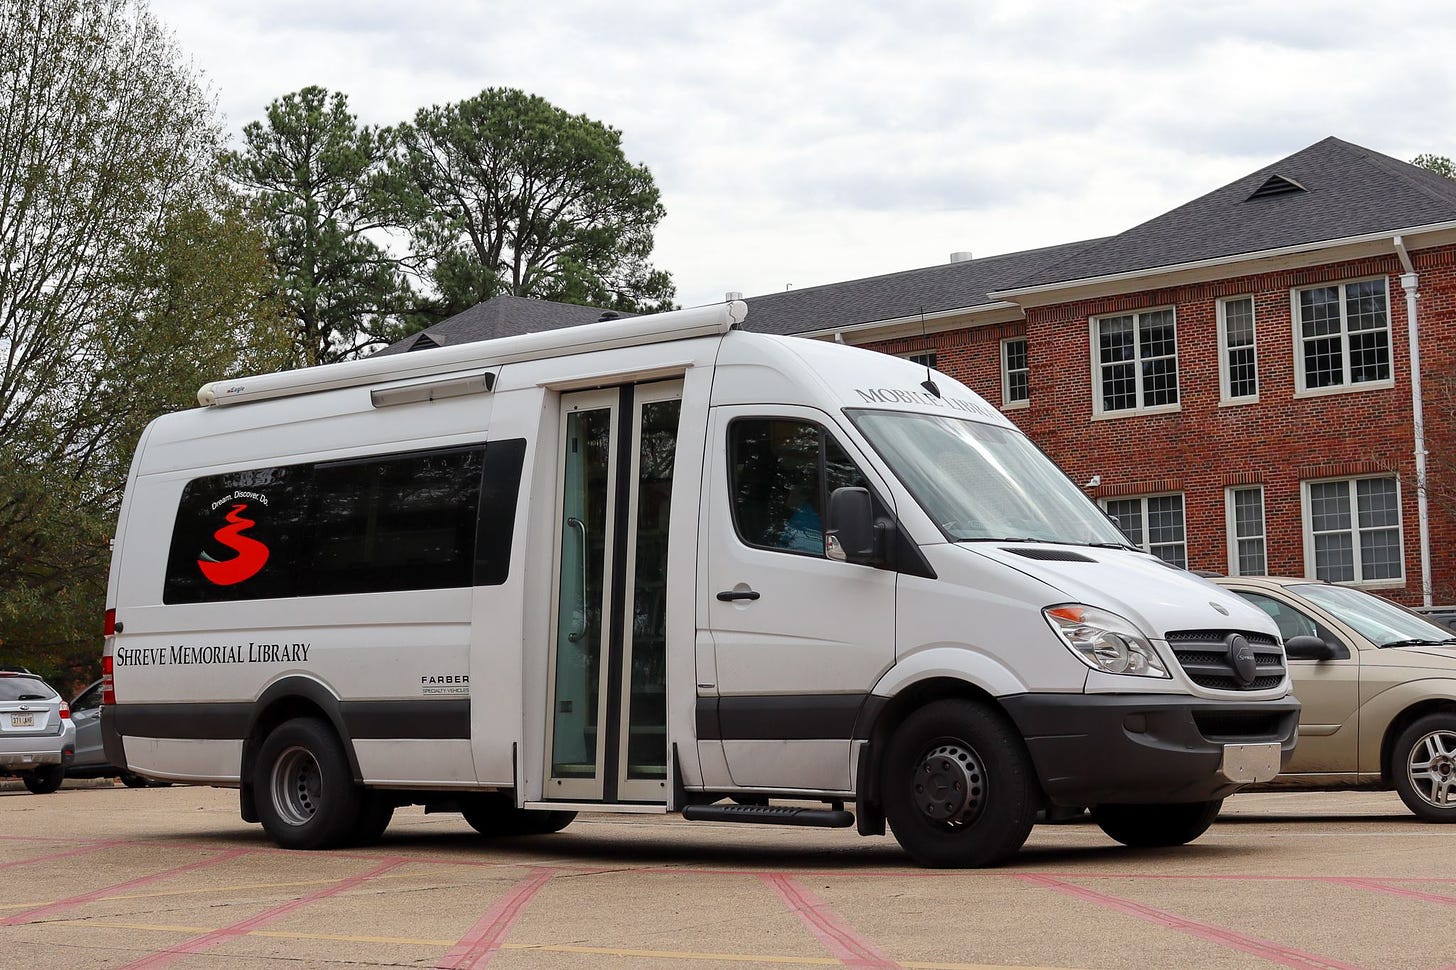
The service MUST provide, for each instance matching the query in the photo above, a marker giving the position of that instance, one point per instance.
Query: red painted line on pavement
(842, 942)
(477, 947)
(1383, 886)
(209, 940)
(1274, 952)
(30, 915)
(51, 856)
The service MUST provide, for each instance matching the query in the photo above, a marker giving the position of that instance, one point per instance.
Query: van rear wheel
(957, 786)
(1156, 826)
(306, 797)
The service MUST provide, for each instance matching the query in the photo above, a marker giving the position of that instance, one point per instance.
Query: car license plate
(22, 720)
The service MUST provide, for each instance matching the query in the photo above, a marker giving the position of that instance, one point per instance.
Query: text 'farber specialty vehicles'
(651, 564)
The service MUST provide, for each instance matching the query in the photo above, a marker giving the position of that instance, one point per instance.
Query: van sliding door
(606, 731)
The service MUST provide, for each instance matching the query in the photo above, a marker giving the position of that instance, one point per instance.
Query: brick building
(1232, 379)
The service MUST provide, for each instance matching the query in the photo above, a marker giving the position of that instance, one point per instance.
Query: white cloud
(804, 143)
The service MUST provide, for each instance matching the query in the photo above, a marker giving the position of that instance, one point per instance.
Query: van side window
(395, 523)
(781, 472)
(382, 523)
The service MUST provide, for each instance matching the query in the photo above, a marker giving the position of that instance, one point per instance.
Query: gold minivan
(1377, 685)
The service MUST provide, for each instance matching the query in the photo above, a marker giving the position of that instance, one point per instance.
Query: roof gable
(1330, 190)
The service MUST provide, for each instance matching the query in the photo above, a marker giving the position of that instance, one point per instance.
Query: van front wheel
(957, 786)
(306, 798)
(1155, 826)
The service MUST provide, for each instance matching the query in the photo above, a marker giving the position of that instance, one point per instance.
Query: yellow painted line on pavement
(607, 951)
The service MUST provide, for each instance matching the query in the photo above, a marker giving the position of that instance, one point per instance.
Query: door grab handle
(574, 523)
(729, 595)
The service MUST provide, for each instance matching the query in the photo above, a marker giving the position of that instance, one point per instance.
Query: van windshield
(982, 482)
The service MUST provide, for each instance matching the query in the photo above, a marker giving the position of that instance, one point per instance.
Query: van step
(770, 815)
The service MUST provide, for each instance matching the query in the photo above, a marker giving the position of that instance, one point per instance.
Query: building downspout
(1410, 282)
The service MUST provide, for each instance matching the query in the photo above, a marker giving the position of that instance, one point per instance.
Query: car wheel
(493, 814)
(1423, 767)
(306, 798)
(957, 786)
(44, 780)
(1149, 826)
(133, 781)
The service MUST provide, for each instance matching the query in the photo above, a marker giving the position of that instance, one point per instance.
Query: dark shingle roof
(1348, 191)
(502, 316)
(945, 286)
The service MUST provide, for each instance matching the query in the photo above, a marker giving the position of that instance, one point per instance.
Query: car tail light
(65, 711)
(108, 626)
(108, 686)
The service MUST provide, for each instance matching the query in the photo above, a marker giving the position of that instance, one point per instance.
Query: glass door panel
(583, 606)
(642, 765)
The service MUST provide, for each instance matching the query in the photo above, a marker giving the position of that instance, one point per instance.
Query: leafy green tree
(128, 277)
(315, 178)
(1439, 164)
(509, 194)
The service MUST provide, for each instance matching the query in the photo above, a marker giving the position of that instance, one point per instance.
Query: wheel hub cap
(1433, 768)
(949, 784)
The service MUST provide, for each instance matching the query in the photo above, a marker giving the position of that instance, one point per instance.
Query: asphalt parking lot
(116, 877)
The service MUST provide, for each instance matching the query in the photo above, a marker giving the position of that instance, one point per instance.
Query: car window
(89, 699)
(1291, 621)
(24, 689)
(781, 473)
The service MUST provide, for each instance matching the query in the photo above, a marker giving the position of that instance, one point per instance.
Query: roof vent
(732, 295)
(1276, 185)
(608, 315)
(961, 257)
(423, 342)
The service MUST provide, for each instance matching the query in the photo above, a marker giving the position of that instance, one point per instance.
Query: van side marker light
(433, 390)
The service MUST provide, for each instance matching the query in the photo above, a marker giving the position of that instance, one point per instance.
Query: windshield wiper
(1418, 642)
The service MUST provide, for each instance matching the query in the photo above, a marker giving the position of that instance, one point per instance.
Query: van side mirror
(1309, 648)
(850, 536)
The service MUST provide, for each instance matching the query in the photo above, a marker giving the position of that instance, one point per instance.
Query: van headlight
(1105, 641)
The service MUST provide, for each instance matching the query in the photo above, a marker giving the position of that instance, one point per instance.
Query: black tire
(957, 786)
(1156, 826)
(374, 818)
(1423, 767)
(44, 780)
(493, 814)
(305, 796)
(133, 781)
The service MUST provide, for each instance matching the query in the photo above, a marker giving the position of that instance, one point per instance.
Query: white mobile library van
(663, 565)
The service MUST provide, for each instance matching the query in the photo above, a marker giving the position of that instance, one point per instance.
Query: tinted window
(782, 472)
(394, 524)
(391, 522)
(24, 689)
(238, 536)
(89, 699)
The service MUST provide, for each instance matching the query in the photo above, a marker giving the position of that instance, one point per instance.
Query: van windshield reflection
(981, 482)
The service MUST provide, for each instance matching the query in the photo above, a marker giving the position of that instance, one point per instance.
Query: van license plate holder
(1247, 764)
(22, 720)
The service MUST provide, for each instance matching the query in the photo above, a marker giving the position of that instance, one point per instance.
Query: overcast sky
(802, 143)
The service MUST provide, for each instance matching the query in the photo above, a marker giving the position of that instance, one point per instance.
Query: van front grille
(1205, 658)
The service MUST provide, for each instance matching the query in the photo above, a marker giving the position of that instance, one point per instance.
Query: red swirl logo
(251, 554)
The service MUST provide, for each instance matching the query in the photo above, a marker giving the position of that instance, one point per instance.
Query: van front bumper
(1093, 749)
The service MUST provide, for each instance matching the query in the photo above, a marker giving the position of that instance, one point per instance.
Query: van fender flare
(954, 663)
(295, 687)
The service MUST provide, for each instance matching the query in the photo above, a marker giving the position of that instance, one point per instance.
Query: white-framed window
(1244, 515)
(1135, 362)
(1341, 336)
(925, 358)
(1015, 373)
(1352, 530)
(1238, 366)
(1153, 523)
